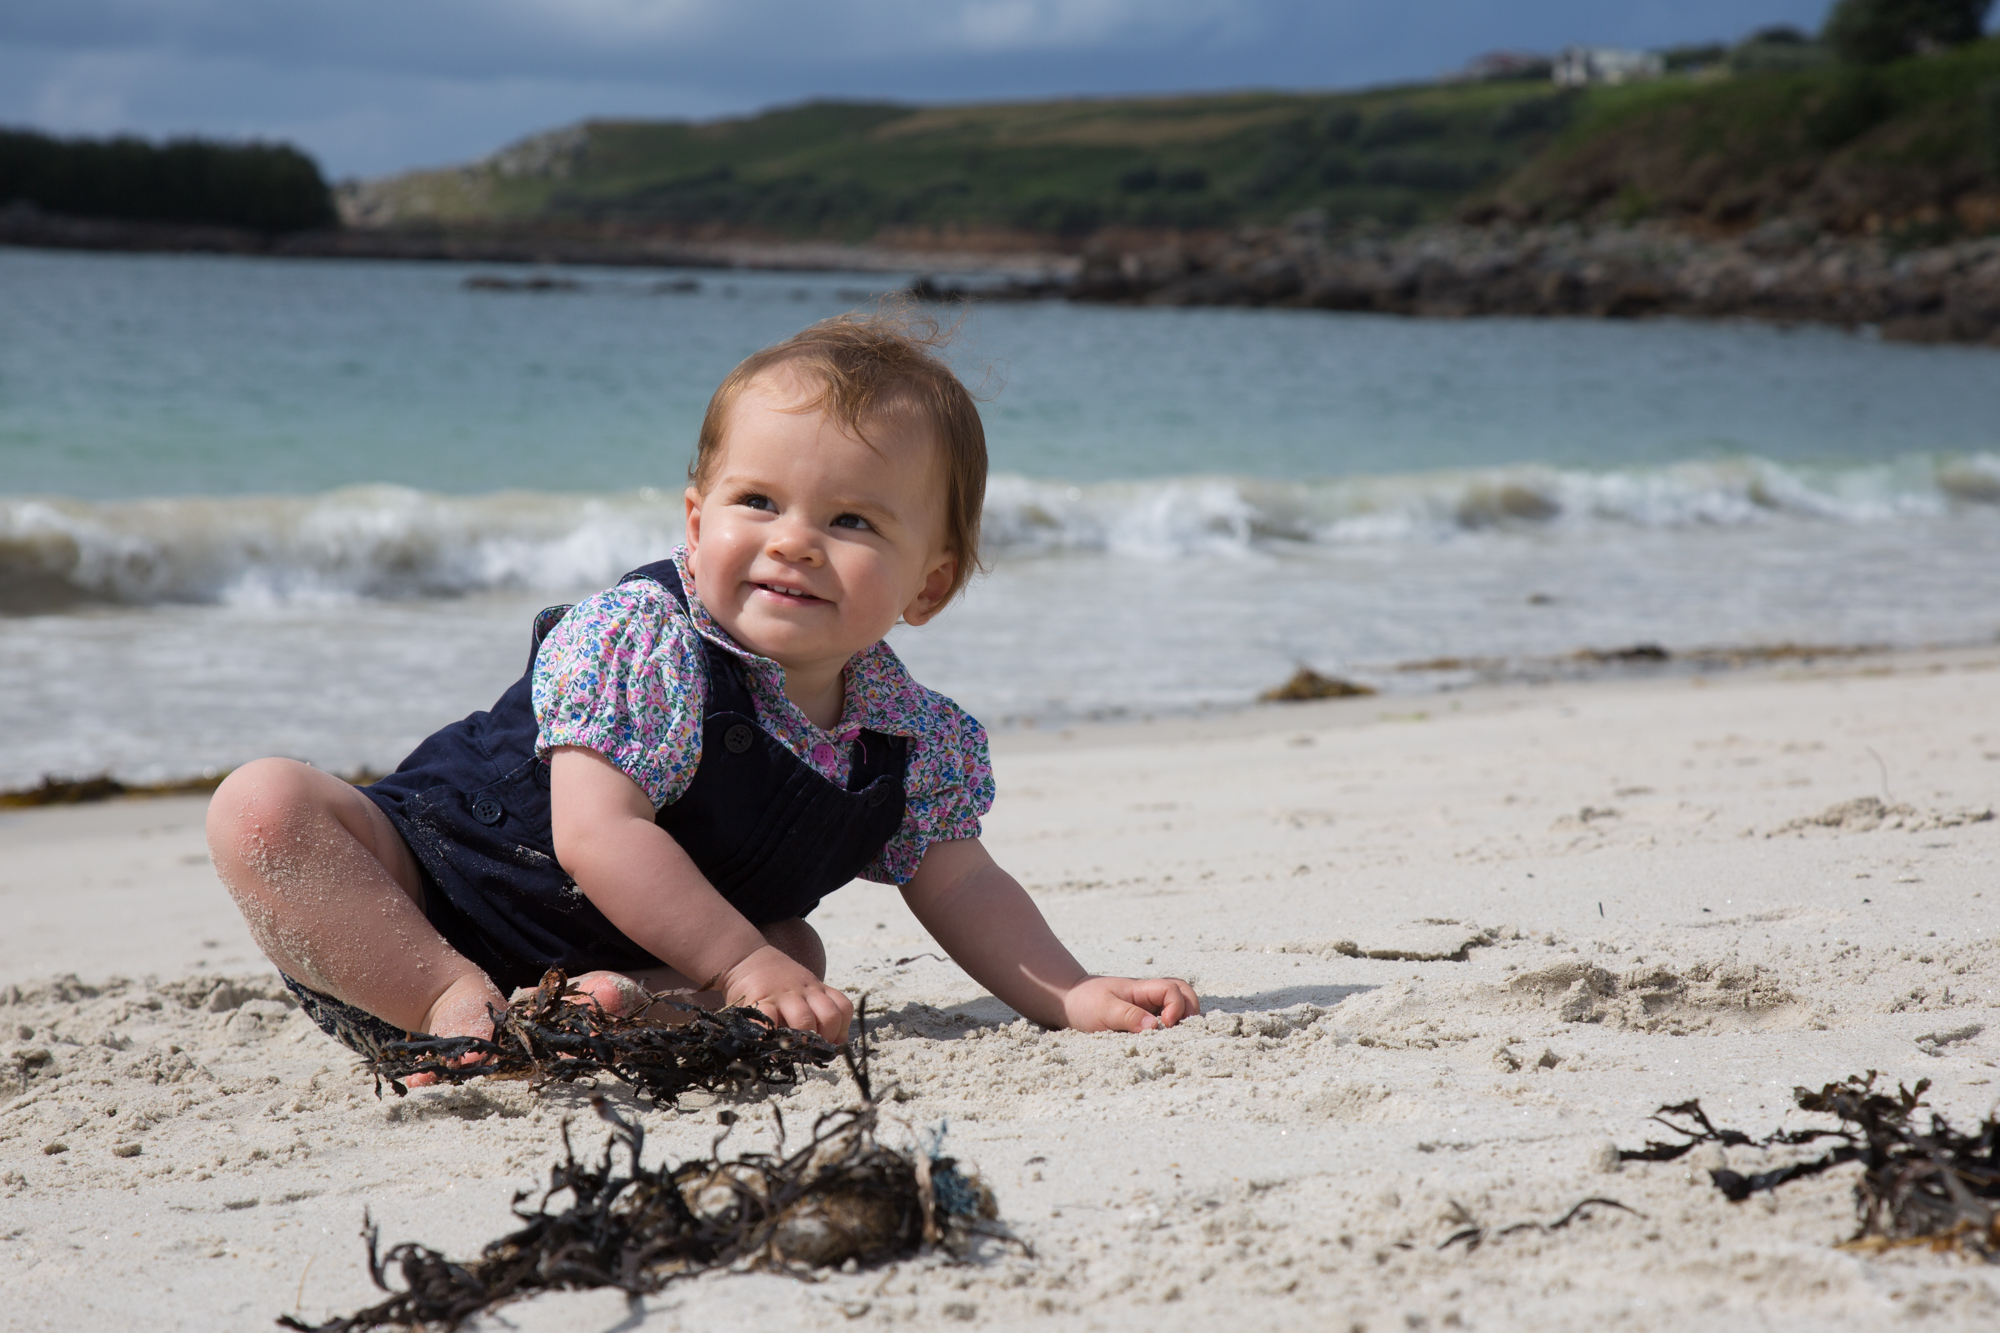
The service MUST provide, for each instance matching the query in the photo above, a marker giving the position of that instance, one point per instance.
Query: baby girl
(695, 757)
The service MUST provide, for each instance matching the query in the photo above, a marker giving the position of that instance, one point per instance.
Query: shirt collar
(874, 682)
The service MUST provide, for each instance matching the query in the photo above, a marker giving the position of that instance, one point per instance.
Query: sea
(309, 508)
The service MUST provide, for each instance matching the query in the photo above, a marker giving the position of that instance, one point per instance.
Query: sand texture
(1452, 952)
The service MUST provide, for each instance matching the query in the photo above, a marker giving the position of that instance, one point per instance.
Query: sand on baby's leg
(332, 895)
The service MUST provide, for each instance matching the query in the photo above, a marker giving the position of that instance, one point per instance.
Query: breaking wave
(1215, 515)
(383, 542)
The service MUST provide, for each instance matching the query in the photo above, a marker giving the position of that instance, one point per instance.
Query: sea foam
(393, 543)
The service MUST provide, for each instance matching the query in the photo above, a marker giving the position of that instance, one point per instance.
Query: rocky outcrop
(1946, 293)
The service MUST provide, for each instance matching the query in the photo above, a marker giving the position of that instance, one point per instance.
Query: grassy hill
(854, 170)
(1914, 144)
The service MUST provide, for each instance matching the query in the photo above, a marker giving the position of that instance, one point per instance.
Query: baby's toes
(616, 993)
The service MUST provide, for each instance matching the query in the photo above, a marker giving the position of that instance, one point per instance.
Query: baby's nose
(791, 544)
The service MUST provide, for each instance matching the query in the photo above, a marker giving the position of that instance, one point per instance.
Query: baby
(696, 756)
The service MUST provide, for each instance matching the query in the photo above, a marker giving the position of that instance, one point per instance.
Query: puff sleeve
(624, 674)
(947, 786)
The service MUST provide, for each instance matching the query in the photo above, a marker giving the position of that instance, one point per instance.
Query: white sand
(1291, 1160)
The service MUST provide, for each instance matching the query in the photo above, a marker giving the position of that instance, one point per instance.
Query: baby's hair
(869, 366)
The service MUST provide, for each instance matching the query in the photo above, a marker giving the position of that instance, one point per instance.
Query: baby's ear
(935, 593)
(693, 502)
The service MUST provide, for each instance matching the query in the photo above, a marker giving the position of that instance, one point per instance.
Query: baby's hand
(771, 980)
(1121, 1004)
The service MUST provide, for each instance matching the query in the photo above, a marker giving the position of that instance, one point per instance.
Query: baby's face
(808, 543)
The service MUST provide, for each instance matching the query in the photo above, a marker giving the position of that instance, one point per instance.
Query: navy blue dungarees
(769, 832)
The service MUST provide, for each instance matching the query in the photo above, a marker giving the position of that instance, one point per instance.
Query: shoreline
(1462, 681)
(525, 246)
(1779, 273)
(1480, 699)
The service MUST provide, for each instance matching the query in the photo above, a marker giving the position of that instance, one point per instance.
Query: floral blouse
(625, 674)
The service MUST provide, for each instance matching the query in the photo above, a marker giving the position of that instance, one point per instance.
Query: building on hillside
(1577, 66)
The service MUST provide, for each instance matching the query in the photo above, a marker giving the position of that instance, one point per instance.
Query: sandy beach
(1582, 900)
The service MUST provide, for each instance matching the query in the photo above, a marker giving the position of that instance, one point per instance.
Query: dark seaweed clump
(553, 1034)
(1309, 684)
(1920, 1184)
(843, 1195)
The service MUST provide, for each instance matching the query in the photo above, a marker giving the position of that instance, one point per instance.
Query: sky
(371, 87)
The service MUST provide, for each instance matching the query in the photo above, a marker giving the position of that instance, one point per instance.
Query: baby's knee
(800, 942)
(258, 808)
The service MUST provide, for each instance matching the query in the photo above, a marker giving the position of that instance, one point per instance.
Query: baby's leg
(331, 894)
(616, 992)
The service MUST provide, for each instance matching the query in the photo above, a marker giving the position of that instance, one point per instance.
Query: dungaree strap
(662, 572)
(728, 689)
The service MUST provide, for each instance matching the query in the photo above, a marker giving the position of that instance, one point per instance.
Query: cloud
(550, 36)
(378, 85)
(87, 92)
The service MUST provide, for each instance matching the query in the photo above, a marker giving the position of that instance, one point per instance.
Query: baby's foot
(614, 992)
(461, 1012)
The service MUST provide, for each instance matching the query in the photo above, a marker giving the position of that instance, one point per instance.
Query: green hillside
(1911, 145)
(1729, 139)
(852, 170)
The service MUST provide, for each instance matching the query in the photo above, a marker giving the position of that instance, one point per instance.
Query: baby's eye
(852, 521)
(754, 501)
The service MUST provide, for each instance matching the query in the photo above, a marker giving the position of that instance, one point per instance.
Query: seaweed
(1473, 1237)
(53, 790)
(1308, 684)
(1920, 1184)
(842, 1196)
(556, 1034)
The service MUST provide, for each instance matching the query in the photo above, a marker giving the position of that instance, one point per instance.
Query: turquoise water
(245, 504)
(168, 375)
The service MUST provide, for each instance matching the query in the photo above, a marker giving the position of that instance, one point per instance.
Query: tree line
(258, 186)
(1875, 32)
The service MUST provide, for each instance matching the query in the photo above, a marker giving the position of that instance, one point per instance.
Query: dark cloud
(373, 86)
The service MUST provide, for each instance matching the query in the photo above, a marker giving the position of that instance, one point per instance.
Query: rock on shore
(1946, 293)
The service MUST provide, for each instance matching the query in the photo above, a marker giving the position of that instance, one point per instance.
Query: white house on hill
(1580, 65)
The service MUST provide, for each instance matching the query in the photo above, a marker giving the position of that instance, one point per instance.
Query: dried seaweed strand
(844, 1195)
(1935, 1185)
(1475, 1236)
(556, 1034)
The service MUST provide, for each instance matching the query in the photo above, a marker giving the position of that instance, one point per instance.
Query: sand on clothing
(1452, 950)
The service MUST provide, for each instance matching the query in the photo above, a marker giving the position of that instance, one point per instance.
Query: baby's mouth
(789, 594)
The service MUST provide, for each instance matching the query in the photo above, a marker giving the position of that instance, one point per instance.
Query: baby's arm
(988, 924)
(646, 886)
